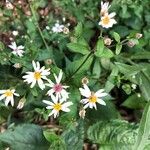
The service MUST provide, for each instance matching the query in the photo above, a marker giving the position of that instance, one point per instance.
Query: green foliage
(114, 134)
(25, 137)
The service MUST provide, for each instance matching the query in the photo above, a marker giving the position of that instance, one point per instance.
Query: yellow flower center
(8, 93)
(106, 20)
(93, 99)
(57, 106)
(37, 75)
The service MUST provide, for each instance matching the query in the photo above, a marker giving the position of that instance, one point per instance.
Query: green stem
(88, 56)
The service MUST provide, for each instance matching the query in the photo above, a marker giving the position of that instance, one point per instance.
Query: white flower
(57, 87)
(57, 28)
(57, 106)
(37, 76)
(104, 8)
(107, 20)
(17, 50)
(8, 95)
(92, 98)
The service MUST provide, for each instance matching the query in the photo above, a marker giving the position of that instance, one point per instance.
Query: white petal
(2, 97)
(112, 15)
(33, 83)
(7, 101)
(12, 101)
(2, 91)
(86, 106)
(41, 84)
(100, 94)
(100, 101)
(20, 47)
(48, 102)
(34, 65)
(16, 94)
(84, 92)
(50, 92)
(84, 101)
(59, 76)
(67, 104)
(54, 98)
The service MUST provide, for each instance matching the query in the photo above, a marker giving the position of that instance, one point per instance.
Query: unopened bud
(131, 43)
(15, 33)
(17, 65)
(48, 61)
(139, 95)
(65, 30)
(21, 103)
(82, 113)
(85, 80)
(107, 41)
(138, 35)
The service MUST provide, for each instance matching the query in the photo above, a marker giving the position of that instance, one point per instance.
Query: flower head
(17, 50)
(8, 95)
(57, 87)
(37, 76)
(107, 20)
(104, 8)
(57, 106)
(92, 98)
(57, 28)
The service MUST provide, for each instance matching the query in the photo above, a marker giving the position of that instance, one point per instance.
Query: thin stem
(80, 66)
(37, 25)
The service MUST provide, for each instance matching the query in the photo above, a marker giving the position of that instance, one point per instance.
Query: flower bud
(21, 103)
(85, 80)
(138, 35)
(82, 113)
(15, 33)
(17, 65)
(131, 43)
(65, 30)
(48, 61)
(107, 41)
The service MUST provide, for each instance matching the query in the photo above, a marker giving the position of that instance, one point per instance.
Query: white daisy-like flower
(8, 95)
(57, 28)
(92, 98)
(37, 76)
(57, 87)
(107, 20)
(104, 8)
(57, 106)
(17, 50)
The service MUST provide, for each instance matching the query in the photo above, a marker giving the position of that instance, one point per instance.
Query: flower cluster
(107, 20)
(57, 93)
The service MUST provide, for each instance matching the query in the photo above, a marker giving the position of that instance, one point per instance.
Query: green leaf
(141, 55)
(116, 37)
(25, 137)
(73, 66)
(144, 130)
(134, 102)
(78, 48)
(78, 30)
(113, 135)
(118, 48)
(74, 136)
(96, 68)
(107, 53)
(99, 48)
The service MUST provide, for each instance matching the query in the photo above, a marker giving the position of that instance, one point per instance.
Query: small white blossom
(17, 65)
(9, 5)
(104, 8)
(57, 106)
(92, 98)
(57, 87)
(17, 50)
(108, 20)
(134, 86)
(37, 76)
(47, 28)
(8, 95)
(57, 28)
(15, 33)
(139, 95)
